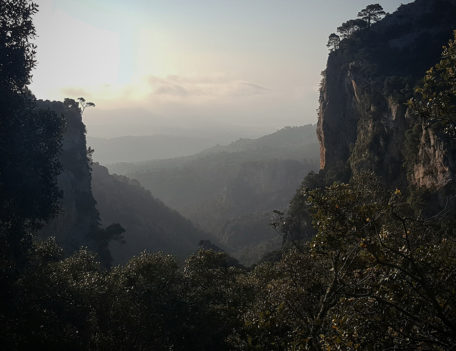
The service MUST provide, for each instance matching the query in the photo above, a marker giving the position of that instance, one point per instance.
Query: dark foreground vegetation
(374, 277)
(375, 273)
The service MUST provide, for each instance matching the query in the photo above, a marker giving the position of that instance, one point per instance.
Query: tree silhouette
(83, 104)
(333, 42)
(371, 14)
(30, 139)
(16, 51)
(347, 29)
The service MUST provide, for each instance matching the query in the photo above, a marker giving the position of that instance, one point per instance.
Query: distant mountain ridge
(289, 142)
(231, 191)
(288, 137)
(147, 147)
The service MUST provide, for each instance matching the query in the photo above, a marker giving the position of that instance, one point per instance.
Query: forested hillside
(148, 223)
(231, 191)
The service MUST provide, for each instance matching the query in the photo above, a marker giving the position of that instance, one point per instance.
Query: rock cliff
(92, 198)
(78, 217)
(363, 115)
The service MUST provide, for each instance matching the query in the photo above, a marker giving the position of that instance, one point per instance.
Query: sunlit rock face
(363, 116)
(78, 217)
(435, 166)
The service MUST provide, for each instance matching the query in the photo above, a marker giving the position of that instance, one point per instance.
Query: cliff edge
(363, 114)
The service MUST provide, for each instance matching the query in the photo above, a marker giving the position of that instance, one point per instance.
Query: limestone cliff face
(435, 164)
(363, 116)
(78, 217)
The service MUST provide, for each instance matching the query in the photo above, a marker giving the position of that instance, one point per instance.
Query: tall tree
(372, 13)
(30, 139)
(333, 42)
(17, 52)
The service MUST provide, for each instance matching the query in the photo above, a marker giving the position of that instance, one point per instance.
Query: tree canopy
(333, 42)
(366, 17)
(372, 13)
(435, 97)
(347, 29)
(17, 54)
(30, 139)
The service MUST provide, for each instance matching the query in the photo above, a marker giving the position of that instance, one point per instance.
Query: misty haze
(228, 175)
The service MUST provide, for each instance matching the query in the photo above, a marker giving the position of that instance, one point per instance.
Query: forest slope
(231, 190)
(148, 223)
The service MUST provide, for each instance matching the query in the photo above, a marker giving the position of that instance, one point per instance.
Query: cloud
(174, 90)
(243, 88)
(177, 94)
(203, 87)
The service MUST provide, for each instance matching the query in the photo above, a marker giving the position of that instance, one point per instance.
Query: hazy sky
(225, 67)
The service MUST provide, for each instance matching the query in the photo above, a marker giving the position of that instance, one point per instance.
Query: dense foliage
(366, 17)
(374, 277)
(30, 139)
(433, 123)
(435, 98)
(386, 277)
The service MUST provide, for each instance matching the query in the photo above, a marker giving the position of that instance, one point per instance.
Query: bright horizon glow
(231, 67)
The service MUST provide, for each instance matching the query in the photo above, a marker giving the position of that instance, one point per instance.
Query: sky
(225, 68)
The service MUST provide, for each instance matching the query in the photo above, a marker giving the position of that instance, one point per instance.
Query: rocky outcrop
(435, 166)
(363, 116)
(91, 198)
(78, 217)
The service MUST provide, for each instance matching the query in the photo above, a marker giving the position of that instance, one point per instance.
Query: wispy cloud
(75, 92)
(203, 87)
(173, 88)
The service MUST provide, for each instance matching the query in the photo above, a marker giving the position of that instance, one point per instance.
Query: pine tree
(372, 13)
